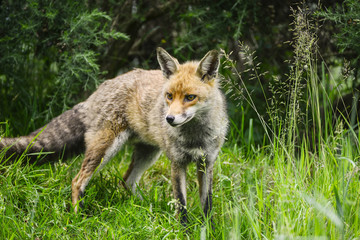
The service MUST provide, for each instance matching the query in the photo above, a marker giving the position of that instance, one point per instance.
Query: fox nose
(170, 119)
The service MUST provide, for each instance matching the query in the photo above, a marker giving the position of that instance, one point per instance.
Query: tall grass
(301, 183)
(304, 184)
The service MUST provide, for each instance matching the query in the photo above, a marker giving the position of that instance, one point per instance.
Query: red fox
(178, 110)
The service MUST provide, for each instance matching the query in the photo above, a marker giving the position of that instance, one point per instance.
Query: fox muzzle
(179, 119)
(170, 119)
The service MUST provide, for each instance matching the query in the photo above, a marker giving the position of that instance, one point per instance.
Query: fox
(179, 110)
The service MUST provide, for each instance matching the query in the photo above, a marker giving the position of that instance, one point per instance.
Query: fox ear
(209, 66)
(168, 64)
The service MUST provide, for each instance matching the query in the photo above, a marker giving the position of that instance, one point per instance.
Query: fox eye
(169, 96)
(190, 97)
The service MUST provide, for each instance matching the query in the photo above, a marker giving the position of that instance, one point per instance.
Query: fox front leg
(178, 179)
(205, 177)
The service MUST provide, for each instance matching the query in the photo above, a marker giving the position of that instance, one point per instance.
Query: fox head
(189, 87)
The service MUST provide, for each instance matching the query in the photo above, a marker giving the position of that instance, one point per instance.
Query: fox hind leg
(101, 147)
(144, 156)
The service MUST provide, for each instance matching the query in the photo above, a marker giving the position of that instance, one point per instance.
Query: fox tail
(63, 136)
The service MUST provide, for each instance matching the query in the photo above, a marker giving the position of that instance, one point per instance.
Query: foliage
(346, 18)
(347, 22)
(48, 57)
(211, 24)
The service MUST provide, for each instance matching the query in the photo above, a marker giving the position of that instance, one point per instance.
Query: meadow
(262, 192)
(289, 173)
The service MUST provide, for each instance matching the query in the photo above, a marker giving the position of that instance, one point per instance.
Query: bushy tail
(63, 136)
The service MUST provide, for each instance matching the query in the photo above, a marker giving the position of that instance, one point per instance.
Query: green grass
(263, 194)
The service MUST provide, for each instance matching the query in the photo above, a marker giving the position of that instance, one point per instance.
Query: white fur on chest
(196, 152)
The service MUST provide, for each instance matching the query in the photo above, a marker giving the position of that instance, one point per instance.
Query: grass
(301, 182)
(260, 195)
